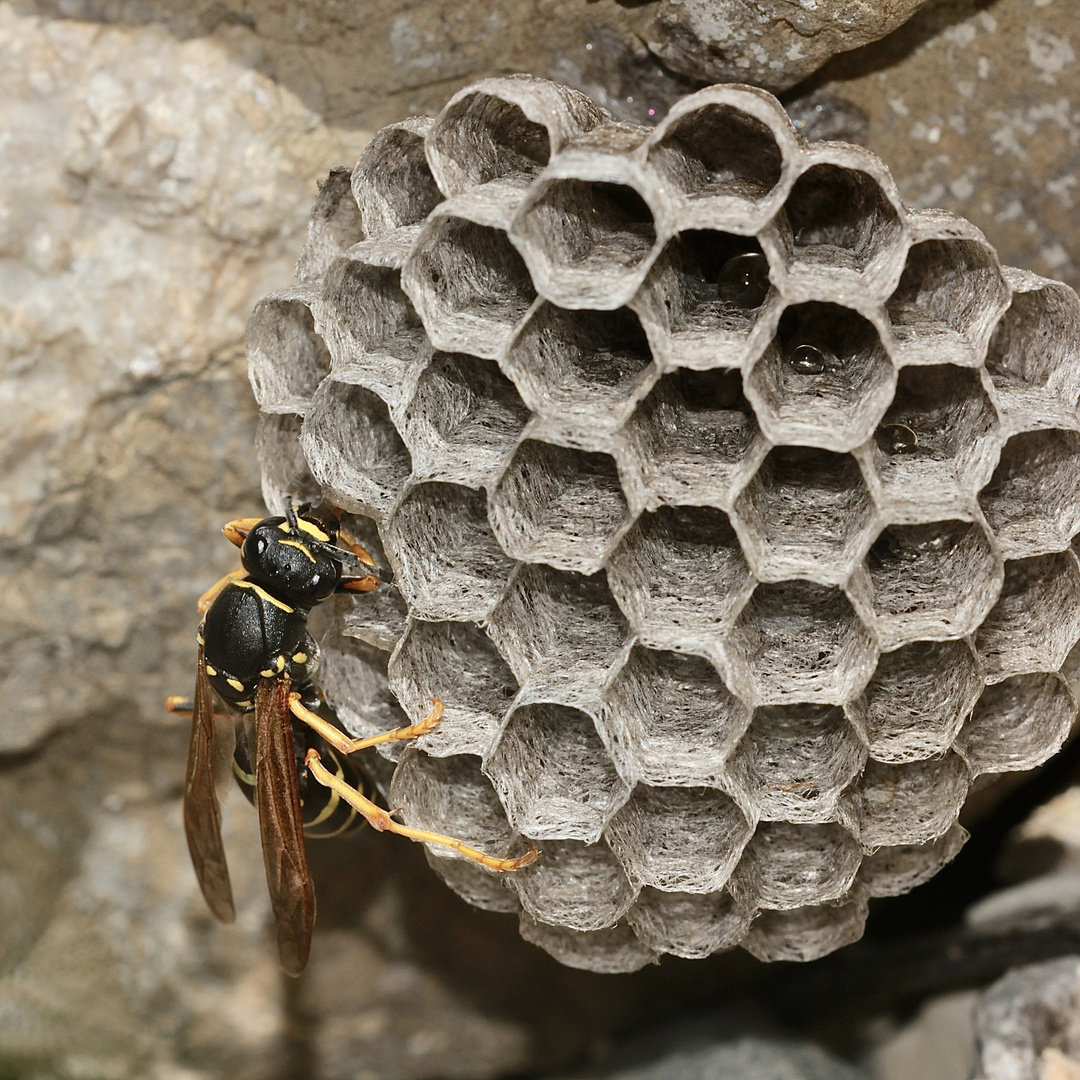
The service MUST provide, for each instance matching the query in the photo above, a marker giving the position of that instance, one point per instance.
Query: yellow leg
(236, 531)
(359, 551)
(215, 590)
(340, 741)
(381, 820)
(364, 584)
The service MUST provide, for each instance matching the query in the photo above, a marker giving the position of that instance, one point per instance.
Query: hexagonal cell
(334, 226)
(615, 951)
(475, 884)
(893, 871)
(807, 933)
(1034, 355)
(679, 839)
(910, 803)
(287, 359)
(1036, 621)
(282, 463)
(721, 153)
(451, 796)
(689, 925)
(795, 760)
(558, 629)
(463, 421)
(675, 717)
(798, 641)
(843, 217)
(456, 663)
(375, 337)
(691, 437)
(937, 444)
(806, 513)
(680, 576)
(587, 231)
(917, 701)
(553, 774)
(1018, 724)
(825, 381)
(581, 367)
(1033, 499)
(468, 284)
(709, 298)
(449, 565)
(580, 886)
(505, 129)
(949, 297)
(392, 180)
(352, 676)
(790, 866)
(560, 506)
(930, 581)
(354, 449)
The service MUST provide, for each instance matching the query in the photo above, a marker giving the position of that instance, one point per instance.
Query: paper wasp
(257, 658)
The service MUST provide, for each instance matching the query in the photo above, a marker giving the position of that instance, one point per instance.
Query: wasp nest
(730, 503)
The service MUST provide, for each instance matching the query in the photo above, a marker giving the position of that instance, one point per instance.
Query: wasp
(256, 660)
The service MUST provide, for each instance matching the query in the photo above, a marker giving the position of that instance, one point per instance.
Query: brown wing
(202, 811)
(281, 823)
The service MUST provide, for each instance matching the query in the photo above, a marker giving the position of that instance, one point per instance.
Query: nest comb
(731, 504)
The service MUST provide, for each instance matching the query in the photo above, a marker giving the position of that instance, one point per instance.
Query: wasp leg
(380, 819)
(369, 583)
(217, 588)
(357, 549)
(185, 706)
(236, 531)
(340, 741)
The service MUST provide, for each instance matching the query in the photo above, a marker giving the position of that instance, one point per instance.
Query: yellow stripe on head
(312, 529)
(299, 546)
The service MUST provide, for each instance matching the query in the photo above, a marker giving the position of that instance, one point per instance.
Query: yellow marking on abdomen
(300, 658)
(246, 777)
(236, 684)
(210, 671)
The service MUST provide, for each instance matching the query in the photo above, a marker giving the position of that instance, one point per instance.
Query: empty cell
(718, 150)
(469, 286)
(554, 626)
(335, 224)
(613, 951)
(449, 563)
(893, 871)
(589, 367)
(354, 449)
(1036, 621)
(561, 506)
(910, 803)
(938, 442)
(1033, 499)
(795, 760)
(679, 839)
(949, 297)
(1018, 724)
(553, 774)
(587, 242)
(675, 717)
(451, 796)
(392, 180)
(802, 642)
(806, 933)
(475, 884)
(824, 381)
(680, 576)
(281, 461)
(580, 886)
(707, 292)
(689, 925)
(463, 421)
(937, 580)
(375, 337)
(691, 435)
(505, 129)
(918, 700)
(456, 663)
(287, 359)
(806, 513)
(788, 866)
(841, 217)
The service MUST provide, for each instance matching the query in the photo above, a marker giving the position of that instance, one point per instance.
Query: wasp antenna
(290, 515)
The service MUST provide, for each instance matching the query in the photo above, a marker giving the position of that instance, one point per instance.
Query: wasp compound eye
(744, 280)
(806, 360)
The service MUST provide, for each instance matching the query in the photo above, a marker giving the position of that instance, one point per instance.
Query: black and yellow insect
(257, 658)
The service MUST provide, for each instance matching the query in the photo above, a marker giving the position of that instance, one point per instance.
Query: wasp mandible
(288, 752)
